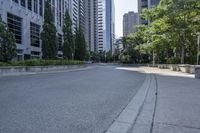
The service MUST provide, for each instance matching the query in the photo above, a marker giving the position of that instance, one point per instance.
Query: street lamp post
(198, 41)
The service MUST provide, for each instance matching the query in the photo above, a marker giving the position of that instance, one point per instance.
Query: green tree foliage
(8, 48)
(80, 45)
(135, 50)
(68, 46)
(48, 35)
(95, 56)
(109, 56)
(172, 34)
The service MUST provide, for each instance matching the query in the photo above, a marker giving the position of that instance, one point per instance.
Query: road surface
(82, 101)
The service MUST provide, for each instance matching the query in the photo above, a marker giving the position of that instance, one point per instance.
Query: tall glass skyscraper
(110, 25)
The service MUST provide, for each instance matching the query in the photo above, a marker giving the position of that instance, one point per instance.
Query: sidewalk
(175, 108)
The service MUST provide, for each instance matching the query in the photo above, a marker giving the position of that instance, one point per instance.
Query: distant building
(130, 21)
(110, 26)
(100, 23)
(118, 46)
(146, 4)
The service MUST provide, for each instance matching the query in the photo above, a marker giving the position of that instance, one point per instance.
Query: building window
(15, 26)
(30, 5)
(23, 3)
(41, 7)
(35, 34)
(35, 55)
(16, 1)
(35, 6)
(59, 42)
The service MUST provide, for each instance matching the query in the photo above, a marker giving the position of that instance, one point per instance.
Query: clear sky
(122, 7)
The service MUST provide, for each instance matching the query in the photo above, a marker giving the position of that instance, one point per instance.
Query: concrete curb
(9, 71)
(127, 118)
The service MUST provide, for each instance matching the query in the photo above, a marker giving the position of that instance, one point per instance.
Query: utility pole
(198, 41)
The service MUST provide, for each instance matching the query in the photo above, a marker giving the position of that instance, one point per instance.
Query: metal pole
(198, 41)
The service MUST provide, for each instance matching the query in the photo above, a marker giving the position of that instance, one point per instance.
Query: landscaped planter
(192, 69)
(162, 66)
(173, 67)
(184, 68)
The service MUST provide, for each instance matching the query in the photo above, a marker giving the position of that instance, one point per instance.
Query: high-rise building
(91, 24)
(110, 25)
(100, 23)
(146, 4)
(76, 9)
(101, 39)
(25, 20)
(130, 21)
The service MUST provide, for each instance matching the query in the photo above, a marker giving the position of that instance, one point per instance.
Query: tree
(109, 56)
(48, 35)
(174, 26)
(8, 48)
(180, 14)
(80, 45)
(68, 46)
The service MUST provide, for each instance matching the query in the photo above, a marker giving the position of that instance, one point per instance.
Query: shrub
(125, 58)
(42, 63)
(174, 60)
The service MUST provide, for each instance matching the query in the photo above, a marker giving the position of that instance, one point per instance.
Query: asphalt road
(83, 101)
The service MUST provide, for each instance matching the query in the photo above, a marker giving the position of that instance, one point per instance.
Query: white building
(101, 43)
(25, 20)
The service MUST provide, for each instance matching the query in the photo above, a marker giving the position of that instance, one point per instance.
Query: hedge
(42, 63)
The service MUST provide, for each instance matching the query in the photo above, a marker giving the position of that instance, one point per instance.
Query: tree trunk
(183, 54)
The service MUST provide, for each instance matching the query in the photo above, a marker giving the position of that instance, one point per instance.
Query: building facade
(25, 19)
(100, 23)
(146, 4)
(91, 24)
(110, 25)
(130, 21)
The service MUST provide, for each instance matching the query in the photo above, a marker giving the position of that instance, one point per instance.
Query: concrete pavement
(175, 108)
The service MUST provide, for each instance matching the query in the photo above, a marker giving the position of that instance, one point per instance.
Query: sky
(122, 7)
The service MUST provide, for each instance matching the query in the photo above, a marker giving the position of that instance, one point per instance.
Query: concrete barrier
(185, 68)
(31, 69)
(197, 72)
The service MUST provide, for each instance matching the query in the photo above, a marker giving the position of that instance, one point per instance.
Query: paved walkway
(175, 108)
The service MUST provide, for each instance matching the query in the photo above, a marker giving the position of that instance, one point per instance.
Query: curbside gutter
(18, 70)
(126, 119)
